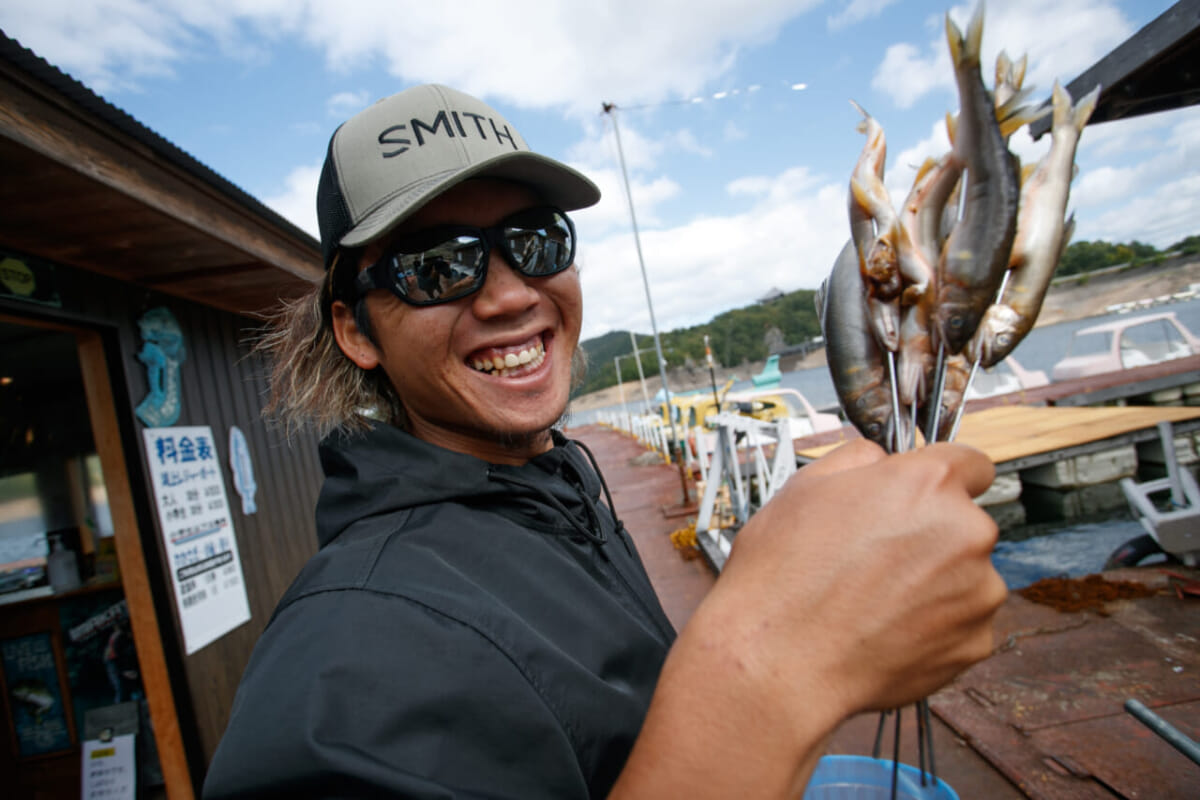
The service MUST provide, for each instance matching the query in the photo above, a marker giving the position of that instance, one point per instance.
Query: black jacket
(466, 629)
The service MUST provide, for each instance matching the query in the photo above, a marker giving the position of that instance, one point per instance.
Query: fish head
(871, 414)
(956, 323)
(997, 335)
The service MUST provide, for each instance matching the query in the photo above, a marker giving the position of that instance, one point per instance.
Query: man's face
(432, 355)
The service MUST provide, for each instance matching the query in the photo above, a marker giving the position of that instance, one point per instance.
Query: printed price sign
(193, 512)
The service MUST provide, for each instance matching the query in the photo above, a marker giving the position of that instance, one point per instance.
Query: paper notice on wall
(193, 512)
(108, 769)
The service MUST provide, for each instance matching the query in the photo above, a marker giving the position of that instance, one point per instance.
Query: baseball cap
(390, 159)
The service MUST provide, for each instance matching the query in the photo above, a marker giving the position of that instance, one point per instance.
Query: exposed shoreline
(1066, 301)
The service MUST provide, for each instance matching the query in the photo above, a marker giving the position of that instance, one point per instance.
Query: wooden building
(103, 221)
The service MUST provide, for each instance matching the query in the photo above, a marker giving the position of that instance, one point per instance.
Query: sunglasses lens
(444, 271)
(541, 241)
(446, 263)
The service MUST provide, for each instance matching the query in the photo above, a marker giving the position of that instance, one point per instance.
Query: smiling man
(477, 621)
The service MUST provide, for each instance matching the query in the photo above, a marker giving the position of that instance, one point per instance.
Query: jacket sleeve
(363, 694)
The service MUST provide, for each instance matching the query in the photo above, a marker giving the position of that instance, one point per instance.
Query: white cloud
(296, 201)
(856, 11)
(787, 236)
(625, 50)
(1152, 199)
(907, 75)
(344, 105)
(107, 44)
(1061, 37)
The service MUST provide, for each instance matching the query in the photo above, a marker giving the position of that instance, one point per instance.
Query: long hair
(312, 382)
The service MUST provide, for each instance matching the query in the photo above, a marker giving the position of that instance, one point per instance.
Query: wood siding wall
(222, 385)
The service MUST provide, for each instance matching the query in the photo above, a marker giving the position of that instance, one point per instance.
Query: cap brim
(556, 183)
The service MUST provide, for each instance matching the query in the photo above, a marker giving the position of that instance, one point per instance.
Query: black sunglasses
(447, 262)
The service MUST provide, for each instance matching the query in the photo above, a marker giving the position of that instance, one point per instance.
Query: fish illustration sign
(34, 699)
(243, 469)
(162, 352)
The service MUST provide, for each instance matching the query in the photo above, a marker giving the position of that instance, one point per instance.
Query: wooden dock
(1043, 717)
(1019, 437)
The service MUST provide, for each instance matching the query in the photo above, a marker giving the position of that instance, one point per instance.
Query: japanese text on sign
(197, 529)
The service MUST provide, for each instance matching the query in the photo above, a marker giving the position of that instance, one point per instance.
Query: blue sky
(734, 114)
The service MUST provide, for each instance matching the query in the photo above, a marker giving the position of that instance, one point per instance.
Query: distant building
(773, 294)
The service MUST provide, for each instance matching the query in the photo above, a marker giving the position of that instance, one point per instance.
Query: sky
(734, 116)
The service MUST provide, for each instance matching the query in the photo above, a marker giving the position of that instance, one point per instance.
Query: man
(477, 621)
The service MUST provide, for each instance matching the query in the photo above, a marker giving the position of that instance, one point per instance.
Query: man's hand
(866, 583)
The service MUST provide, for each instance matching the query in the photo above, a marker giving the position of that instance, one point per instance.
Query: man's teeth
(502, 365)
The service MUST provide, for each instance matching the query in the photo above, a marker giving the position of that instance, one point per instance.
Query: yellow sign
(17, 277)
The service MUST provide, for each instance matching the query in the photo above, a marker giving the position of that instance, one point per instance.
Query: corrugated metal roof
(42, 71)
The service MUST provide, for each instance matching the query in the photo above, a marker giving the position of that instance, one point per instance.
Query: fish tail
(954, 39)
(861, 127)
(974, 39)
(1004, 68)
(1011, 116)
(1018, 71)
(1061, 99)
(1084, 108)
(964, 50)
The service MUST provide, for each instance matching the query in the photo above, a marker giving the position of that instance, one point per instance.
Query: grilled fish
(975, 257)
(1041, 235)
(856, 360)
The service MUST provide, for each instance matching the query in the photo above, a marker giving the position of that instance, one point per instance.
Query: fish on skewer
(1041, 235)
(957, 378)
(856, 360)
(875, 229)
(920, 243)
(975, 257)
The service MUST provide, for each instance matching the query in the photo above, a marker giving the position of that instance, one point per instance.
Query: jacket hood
(387, 470)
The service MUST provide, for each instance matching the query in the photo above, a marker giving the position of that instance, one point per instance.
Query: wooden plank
(1006, 434)
(134, 578)
(1009, 433)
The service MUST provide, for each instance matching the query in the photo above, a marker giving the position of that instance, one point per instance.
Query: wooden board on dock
(1023, 436)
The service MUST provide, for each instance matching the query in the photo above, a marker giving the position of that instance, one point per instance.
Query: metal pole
(1175, 737)
(621, 389)
(637, 357)
(610, 108)
(712, 374)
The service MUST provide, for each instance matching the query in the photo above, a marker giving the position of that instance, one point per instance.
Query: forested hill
(748, 334)
(736, 337)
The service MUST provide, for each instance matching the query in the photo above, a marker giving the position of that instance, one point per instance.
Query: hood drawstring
(612, 509)
(592, 532)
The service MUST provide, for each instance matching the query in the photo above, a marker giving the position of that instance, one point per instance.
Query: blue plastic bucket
(863, 778)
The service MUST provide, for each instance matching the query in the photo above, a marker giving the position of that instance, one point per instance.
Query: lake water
(1041, 349)
(1026, 553)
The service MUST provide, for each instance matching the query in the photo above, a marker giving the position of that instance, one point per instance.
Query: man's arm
(866, 583)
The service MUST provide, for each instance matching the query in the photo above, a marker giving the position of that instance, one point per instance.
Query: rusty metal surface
(1126, 756)
(1047, 708)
